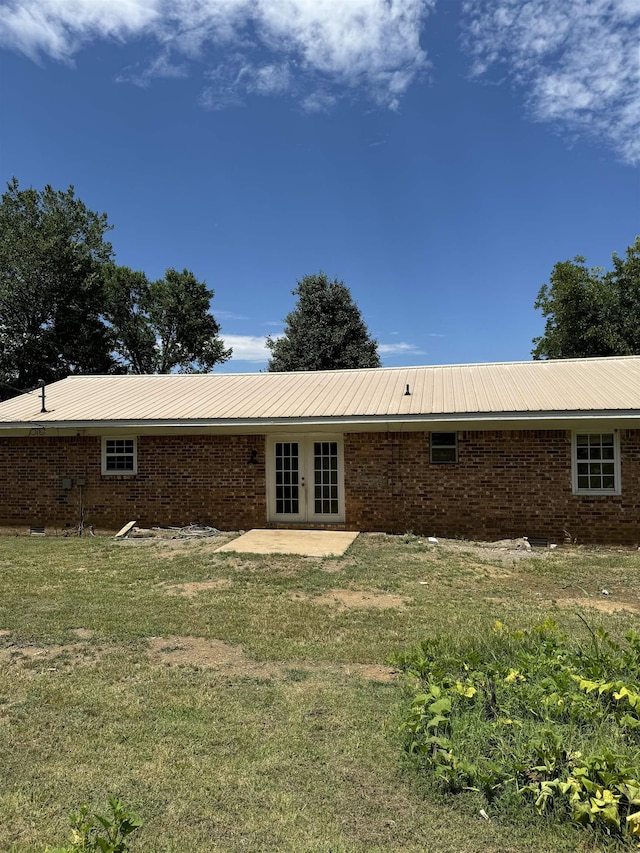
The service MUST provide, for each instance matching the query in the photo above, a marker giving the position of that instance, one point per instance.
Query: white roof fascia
(351, 421)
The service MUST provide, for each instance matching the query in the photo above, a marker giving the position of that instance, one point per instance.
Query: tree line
(66, 307)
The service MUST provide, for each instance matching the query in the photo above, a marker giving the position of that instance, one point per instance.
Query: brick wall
(180, 479)
(505, 484)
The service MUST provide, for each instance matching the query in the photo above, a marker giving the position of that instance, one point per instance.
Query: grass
(237, 703)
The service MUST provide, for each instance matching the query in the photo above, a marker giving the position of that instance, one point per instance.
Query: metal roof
(602, 386)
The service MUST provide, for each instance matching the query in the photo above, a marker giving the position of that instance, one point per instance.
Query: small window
(596, 463)
(119, 456)
(444, 447)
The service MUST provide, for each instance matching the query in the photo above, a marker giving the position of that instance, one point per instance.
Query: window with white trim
(596, 463)
(443, 447)
(119, 456)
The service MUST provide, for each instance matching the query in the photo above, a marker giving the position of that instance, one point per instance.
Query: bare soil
(231, 660)
(344, 599)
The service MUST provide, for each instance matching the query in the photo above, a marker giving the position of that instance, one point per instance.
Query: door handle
(302, 481)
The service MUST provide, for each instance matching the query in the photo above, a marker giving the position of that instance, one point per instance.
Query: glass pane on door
(287, 458)
(325, 477)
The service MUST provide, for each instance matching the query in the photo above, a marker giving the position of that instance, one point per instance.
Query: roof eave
(348, 420)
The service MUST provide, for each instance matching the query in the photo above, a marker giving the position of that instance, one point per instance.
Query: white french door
(305, 480)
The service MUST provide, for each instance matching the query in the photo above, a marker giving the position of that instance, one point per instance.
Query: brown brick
(505, 483)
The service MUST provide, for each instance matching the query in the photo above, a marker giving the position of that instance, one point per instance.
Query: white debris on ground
(521, 544)
(194, 530)
(190, 531)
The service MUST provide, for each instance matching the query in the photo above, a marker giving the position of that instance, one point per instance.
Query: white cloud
(303, 46)
(577, 62)
(58, 28)
(253, 348)
(400, 348)
(230, 315)
(271, 79)
(318, 102)
(247, 347)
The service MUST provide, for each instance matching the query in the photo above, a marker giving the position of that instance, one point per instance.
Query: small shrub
(535, 715)
(95, 833)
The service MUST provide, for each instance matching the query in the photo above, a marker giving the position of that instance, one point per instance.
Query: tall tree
(325, 331)
(52, 248)
(591, 312)
(163, 325)
(65, 307)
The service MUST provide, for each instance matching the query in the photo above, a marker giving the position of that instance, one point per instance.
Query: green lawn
(242, 703)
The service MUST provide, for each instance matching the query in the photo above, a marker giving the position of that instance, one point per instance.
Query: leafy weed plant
(96, 833)
(533, 721)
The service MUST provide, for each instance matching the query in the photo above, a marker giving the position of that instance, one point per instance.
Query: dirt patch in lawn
(169, 544)
(19, 654)
(345, 599)
(84, 633)
(55, 656)
(197, 650)
(231, 660)
(603, 605)
(370, 671)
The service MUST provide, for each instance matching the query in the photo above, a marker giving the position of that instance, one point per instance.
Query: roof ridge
(392, 368)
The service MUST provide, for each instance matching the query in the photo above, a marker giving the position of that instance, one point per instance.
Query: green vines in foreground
(533, 720)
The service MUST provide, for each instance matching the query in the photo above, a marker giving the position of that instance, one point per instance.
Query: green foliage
(162, 325)
(591, 312)
(66, 308)
(534, 719)
(96, 833)
(325, 331)
(52, 248)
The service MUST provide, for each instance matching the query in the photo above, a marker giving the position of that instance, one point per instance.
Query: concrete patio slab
(307, 543)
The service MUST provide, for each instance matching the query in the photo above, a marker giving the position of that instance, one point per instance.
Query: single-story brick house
(475, 451)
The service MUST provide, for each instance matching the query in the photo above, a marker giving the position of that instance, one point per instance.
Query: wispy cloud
(317, 49)
(253, 348)
(247, 347)
(576, 61)
(318, 102)
(229, 315)
(59, 28)
(400, 348)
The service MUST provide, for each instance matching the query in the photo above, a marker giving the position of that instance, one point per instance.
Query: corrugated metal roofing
(580, 385)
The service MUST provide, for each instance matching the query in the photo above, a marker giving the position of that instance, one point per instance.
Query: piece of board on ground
(307, 543)
(124, 530)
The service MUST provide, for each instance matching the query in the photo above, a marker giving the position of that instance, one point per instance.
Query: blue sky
(437, 156)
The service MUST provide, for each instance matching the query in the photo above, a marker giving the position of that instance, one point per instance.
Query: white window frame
(617, 488)
(433, 446)
(134, 456)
